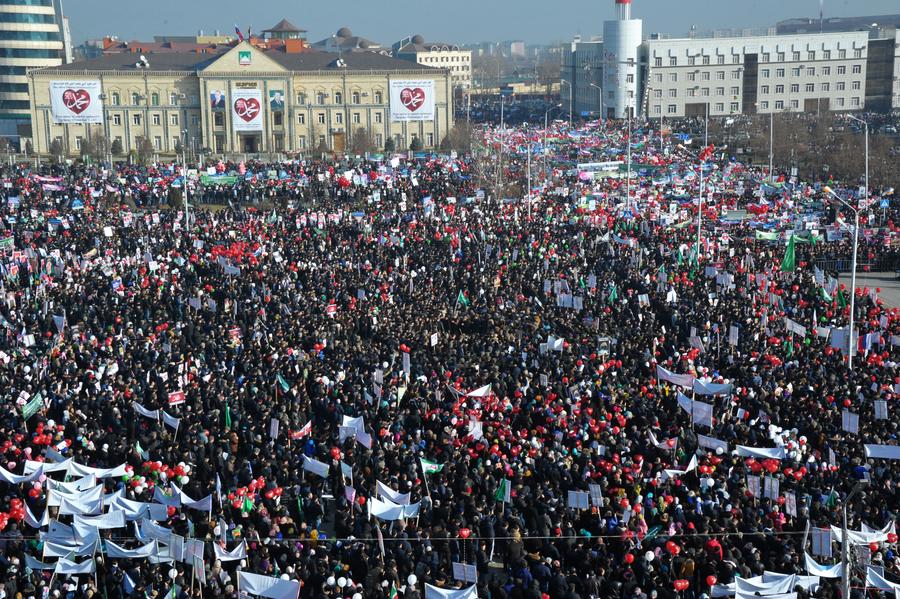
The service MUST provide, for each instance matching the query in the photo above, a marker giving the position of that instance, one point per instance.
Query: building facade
(437, 55)
(719, 76)
(307, 101)
(30, 36)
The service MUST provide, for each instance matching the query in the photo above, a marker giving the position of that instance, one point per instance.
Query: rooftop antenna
(821, 16)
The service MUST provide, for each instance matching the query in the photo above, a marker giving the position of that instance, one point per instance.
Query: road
(886, 281)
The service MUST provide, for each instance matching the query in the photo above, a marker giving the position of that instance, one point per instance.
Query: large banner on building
(76, 101)
(246, 109)
(412, 100)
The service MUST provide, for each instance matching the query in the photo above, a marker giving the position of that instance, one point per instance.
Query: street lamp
(866, 125)
(845, 542)
(600, 92)
(546, 125)
(771, 130)
(855, 211)
(571, 97)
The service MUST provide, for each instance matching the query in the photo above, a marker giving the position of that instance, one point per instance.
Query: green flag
(503, 491)
(825, 295)
(429, 467)
(393, 593)
(462, 299)
(790, 347)
(789, 264)
(247, 505)
(680, 260)
(766, 236)
(227, 416)
(613, 293)
(300, 505)
(284, 384)
(841, 300)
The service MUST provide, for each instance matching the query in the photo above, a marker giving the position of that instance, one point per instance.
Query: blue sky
(461, 21)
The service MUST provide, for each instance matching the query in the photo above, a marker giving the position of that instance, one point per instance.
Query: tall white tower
(621, 45)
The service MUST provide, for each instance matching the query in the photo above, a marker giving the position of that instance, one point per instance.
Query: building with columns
(306, 101)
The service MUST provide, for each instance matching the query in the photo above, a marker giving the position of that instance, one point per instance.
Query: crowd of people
(355, 378)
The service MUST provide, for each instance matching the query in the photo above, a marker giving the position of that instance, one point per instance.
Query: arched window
(355, 97)
(320, 98)
(116, 99)
(338, 98)
(154, 99)
(135, 98)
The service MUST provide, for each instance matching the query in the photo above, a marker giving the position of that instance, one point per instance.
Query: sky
(456, 21)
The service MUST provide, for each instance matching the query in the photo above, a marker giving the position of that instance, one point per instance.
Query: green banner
(32, 407)
(221, 180)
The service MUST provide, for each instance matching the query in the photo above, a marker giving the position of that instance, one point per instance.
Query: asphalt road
(886, 281)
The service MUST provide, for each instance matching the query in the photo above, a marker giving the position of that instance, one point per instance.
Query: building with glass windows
(30, 37)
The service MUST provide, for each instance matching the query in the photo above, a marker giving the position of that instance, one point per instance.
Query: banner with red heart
(413, 99)
(246, 109)
(76, 101)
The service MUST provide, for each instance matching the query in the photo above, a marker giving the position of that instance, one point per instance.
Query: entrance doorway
(250, 144)
(339, 143)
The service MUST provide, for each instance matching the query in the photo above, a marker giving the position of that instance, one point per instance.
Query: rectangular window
(379, 140)
(810, 87)
(779, 89)
(690, 92)
(706, 60)
(673, 61)
(219, 119)
(704, 91)
(173, 99)
(705, 76)
(378, 117)
(277, 119)
(357, 119)
(174, 142)
(810, 56)
(720, 75)
(826, 71)
(766, 73)
(842, 70)
(629, 78)
(857, 69)
(302, 142)
(195, 120)
(173, 119)
(734, 107)
(840, 102)
(136, 119)
(780, 56)
(764, 89)
(826, 87)
(796, 56)
(301, 100)
(826, 54)
(692, 76)
(429, 140)
(157, 143)
(378, 97)
(321, 118)
(842, 54)
(795, 88)
(657, 62)
(339, 118)
(779, 72)
(301, 118)
(854, 102)
(855, 85)
(810, 71)
(673, 77)
(735, 91)
(117, 119)
(795, 72)
(720, 107)
(673, 93)
(857, 53)
(657, 93)
(764, 105)
(657, 77)
(779, 104)
(765, 57)
(692, 60)
(78, 143)
(841, 86)
(720, 59)
(672, 108)
(795, 104)
(156, 119)
(720, 91)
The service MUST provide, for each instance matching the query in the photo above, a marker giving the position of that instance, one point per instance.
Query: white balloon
(139, 489)
(330, 581)
(187, 469)
(173, 573)
(217, 530)
(342, 582)
(285, 577)
(185, 480)
(357, 596)
(412, 579)
(649, 556)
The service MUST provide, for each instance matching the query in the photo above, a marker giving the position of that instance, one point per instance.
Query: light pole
(845, 542)
(544, 141)
(866, 125)
(571, 97)
(600, 92)
(852, 349)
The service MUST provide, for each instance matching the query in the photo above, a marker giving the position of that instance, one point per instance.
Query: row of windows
(692, 76)
(811, 71)
(355, 97)
(811, 87)
(27, 2)
(810, 55)
(22, 17)
(855, 102)
(156, 119)
(4, 70)
(321, 118)
(14, 105)
(115, 98)
(719, 91)
(28, 53)
(436, 59)
(30, 36)
(765, 57)
(717, 107)
(379, 140)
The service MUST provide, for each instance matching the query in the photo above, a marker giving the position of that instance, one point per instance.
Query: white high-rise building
(30, 37)
(621, 49)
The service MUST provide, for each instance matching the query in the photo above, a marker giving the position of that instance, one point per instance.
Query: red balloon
(629, 558)
(465, 533)
(873, 546)
(711, 580)
(681, 584)
(892, 537)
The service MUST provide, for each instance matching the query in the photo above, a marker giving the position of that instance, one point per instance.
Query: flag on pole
(227, 416)
(462, 299)
(237, 32)
(613, 293)
(247, 505)
(789, 264)
(841, 300)
(503, 491)
(306, 430)
(429, 467)
(825, 295)
(285, 386)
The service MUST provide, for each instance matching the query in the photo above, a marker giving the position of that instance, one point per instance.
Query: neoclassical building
(243, 100)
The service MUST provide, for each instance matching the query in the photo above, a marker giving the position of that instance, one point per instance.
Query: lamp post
(771, 131)
(544, 141)
(866, 125)
(852, 349)
(845, 562)
(600, 92)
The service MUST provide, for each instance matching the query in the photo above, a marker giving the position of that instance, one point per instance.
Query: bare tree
(362, 141)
